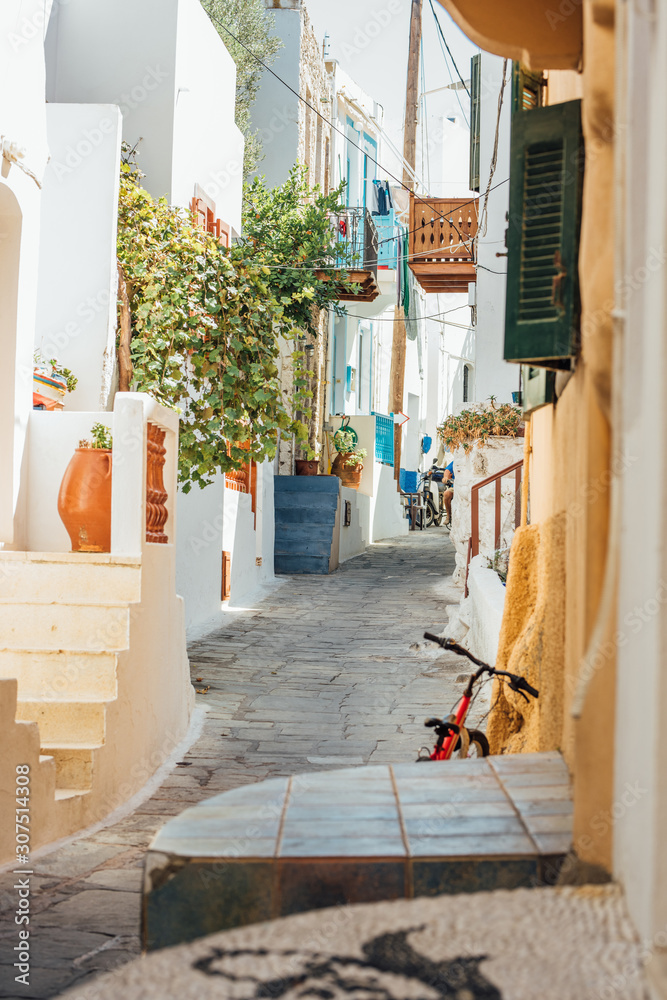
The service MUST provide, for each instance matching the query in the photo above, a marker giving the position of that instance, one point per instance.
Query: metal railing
(497, 477)
(356, 232)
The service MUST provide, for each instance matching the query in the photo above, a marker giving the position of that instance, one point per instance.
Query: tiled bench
(356, 835)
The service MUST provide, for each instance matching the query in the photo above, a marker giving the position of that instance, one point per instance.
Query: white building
(94, 678)
(175, 88)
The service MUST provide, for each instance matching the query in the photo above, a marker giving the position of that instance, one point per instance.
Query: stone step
(74, 763)
(57, 675)
(64, 627)
(305, 515)
(310, 485)
(68, 578)
(304, 546)
(315, 502)
(61, 720)
(289, 564)
(294, 533)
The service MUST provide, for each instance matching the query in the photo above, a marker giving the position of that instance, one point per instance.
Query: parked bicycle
(453, 738)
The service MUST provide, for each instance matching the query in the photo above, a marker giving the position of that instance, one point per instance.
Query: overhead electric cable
(335, 128)
(442, 36)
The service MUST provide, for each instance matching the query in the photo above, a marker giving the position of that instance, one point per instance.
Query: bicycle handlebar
(517, 683)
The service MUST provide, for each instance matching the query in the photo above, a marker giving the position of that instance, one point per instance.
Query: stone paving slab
(546, 943)
(374, 610)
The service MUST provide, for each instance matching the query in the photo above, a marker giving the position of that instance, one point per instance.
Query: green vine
(477, 426)
(206, 329)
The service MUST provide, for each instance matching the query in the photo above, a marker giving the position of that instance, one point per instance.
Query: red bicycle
(452, 735)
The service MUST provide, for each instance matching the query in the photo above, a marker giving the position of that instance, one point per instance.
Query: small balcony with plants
(356, 255)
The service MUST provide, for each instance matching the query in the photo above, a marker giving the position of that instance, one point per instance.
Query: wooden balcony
(442, 232)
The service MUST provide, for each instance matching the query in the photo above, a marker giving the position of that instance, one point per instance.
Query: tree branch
(124, 357)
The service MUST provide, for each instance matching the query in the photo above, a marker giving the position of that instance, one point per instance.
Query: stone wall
(470, 468)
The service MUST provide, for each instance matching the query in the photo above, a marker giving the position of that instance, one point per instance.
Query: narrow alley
(291, 685)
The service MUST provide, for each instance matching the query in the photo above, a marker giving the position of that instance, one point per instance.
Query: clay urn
(349, 475)
(306, 466)
(84, 500)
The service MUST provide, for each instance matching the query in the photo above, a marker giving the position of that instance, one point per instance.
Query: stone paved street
(325, 672)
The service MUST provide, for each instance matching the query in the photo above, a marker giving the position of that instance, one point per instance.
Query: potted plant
(84, 499)
(349, 462)
(51, 381)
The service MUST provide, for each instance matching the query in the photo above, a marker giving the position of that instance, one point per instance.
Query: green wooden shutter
(526, 88)
(475, 108)
(537, 387)
(546, 174)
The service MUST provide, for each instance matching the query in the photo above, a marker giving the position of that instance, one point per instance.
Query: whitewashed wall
(493, 375)
(471, 468)
(76, 306)
(174, 85)
(23, 126)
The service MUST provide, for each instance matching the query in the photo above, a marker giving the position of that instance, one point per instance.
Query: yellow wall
(558, 562)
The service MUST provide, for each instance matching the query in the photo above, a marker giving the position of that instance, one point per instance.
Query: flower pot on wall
(84, 500)
(349, 475)
(307, 467)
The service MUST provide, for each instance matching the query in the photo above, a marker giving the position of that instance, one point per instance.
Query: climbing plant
(206, 330)
(289, 229)
(475, 426)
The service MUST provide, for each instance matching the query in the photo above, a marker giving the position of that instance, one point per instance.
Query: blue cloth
(450, 468)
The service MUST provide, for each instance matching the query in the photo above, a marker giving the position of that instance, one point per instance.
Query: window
(466, 383)
(360, 369)
(546, 174)
(527, 88)
(475, 109)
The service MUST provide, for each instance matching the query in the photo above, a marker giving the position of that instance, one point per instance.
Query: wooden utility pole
(397, 376)
(412, 94)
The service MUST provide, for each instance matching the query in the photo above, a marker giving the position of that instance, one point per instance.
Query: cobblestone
(320, 674)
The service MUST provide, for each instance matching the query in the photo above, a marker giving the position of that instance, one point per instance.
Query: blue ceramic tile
(450, 826)
(472, 846)
(350, 827)
(217, 847)
(200, 899)
(313, 885)
(434, 878)
(342, 847)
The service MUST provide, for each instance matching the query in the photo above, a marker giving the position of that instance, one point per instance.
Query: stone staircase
(306, 524)
(64, 621)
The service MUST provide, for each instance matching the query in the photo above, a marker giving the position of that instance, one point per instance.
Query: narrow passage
(326, 672)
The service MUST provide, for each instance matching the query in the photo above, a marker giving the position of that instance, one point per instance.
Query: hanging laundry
(380, 201)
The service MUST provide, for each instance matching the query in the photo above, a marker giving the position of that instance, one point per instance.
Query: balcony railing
(357, 243)
(442, 234)
(384, 439)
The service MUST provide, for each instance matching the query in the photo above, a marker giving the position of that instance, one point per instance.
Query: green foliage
(57, 370)
(252, 24)
(345, 443)
(477, 426)
(288, 228)
(344, 440)
(101, 438)
(205, 336)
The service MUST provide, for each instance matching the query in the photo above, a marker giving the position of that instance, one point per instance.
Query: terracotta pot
(349, 475)
(84, 500)
(307, 467)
